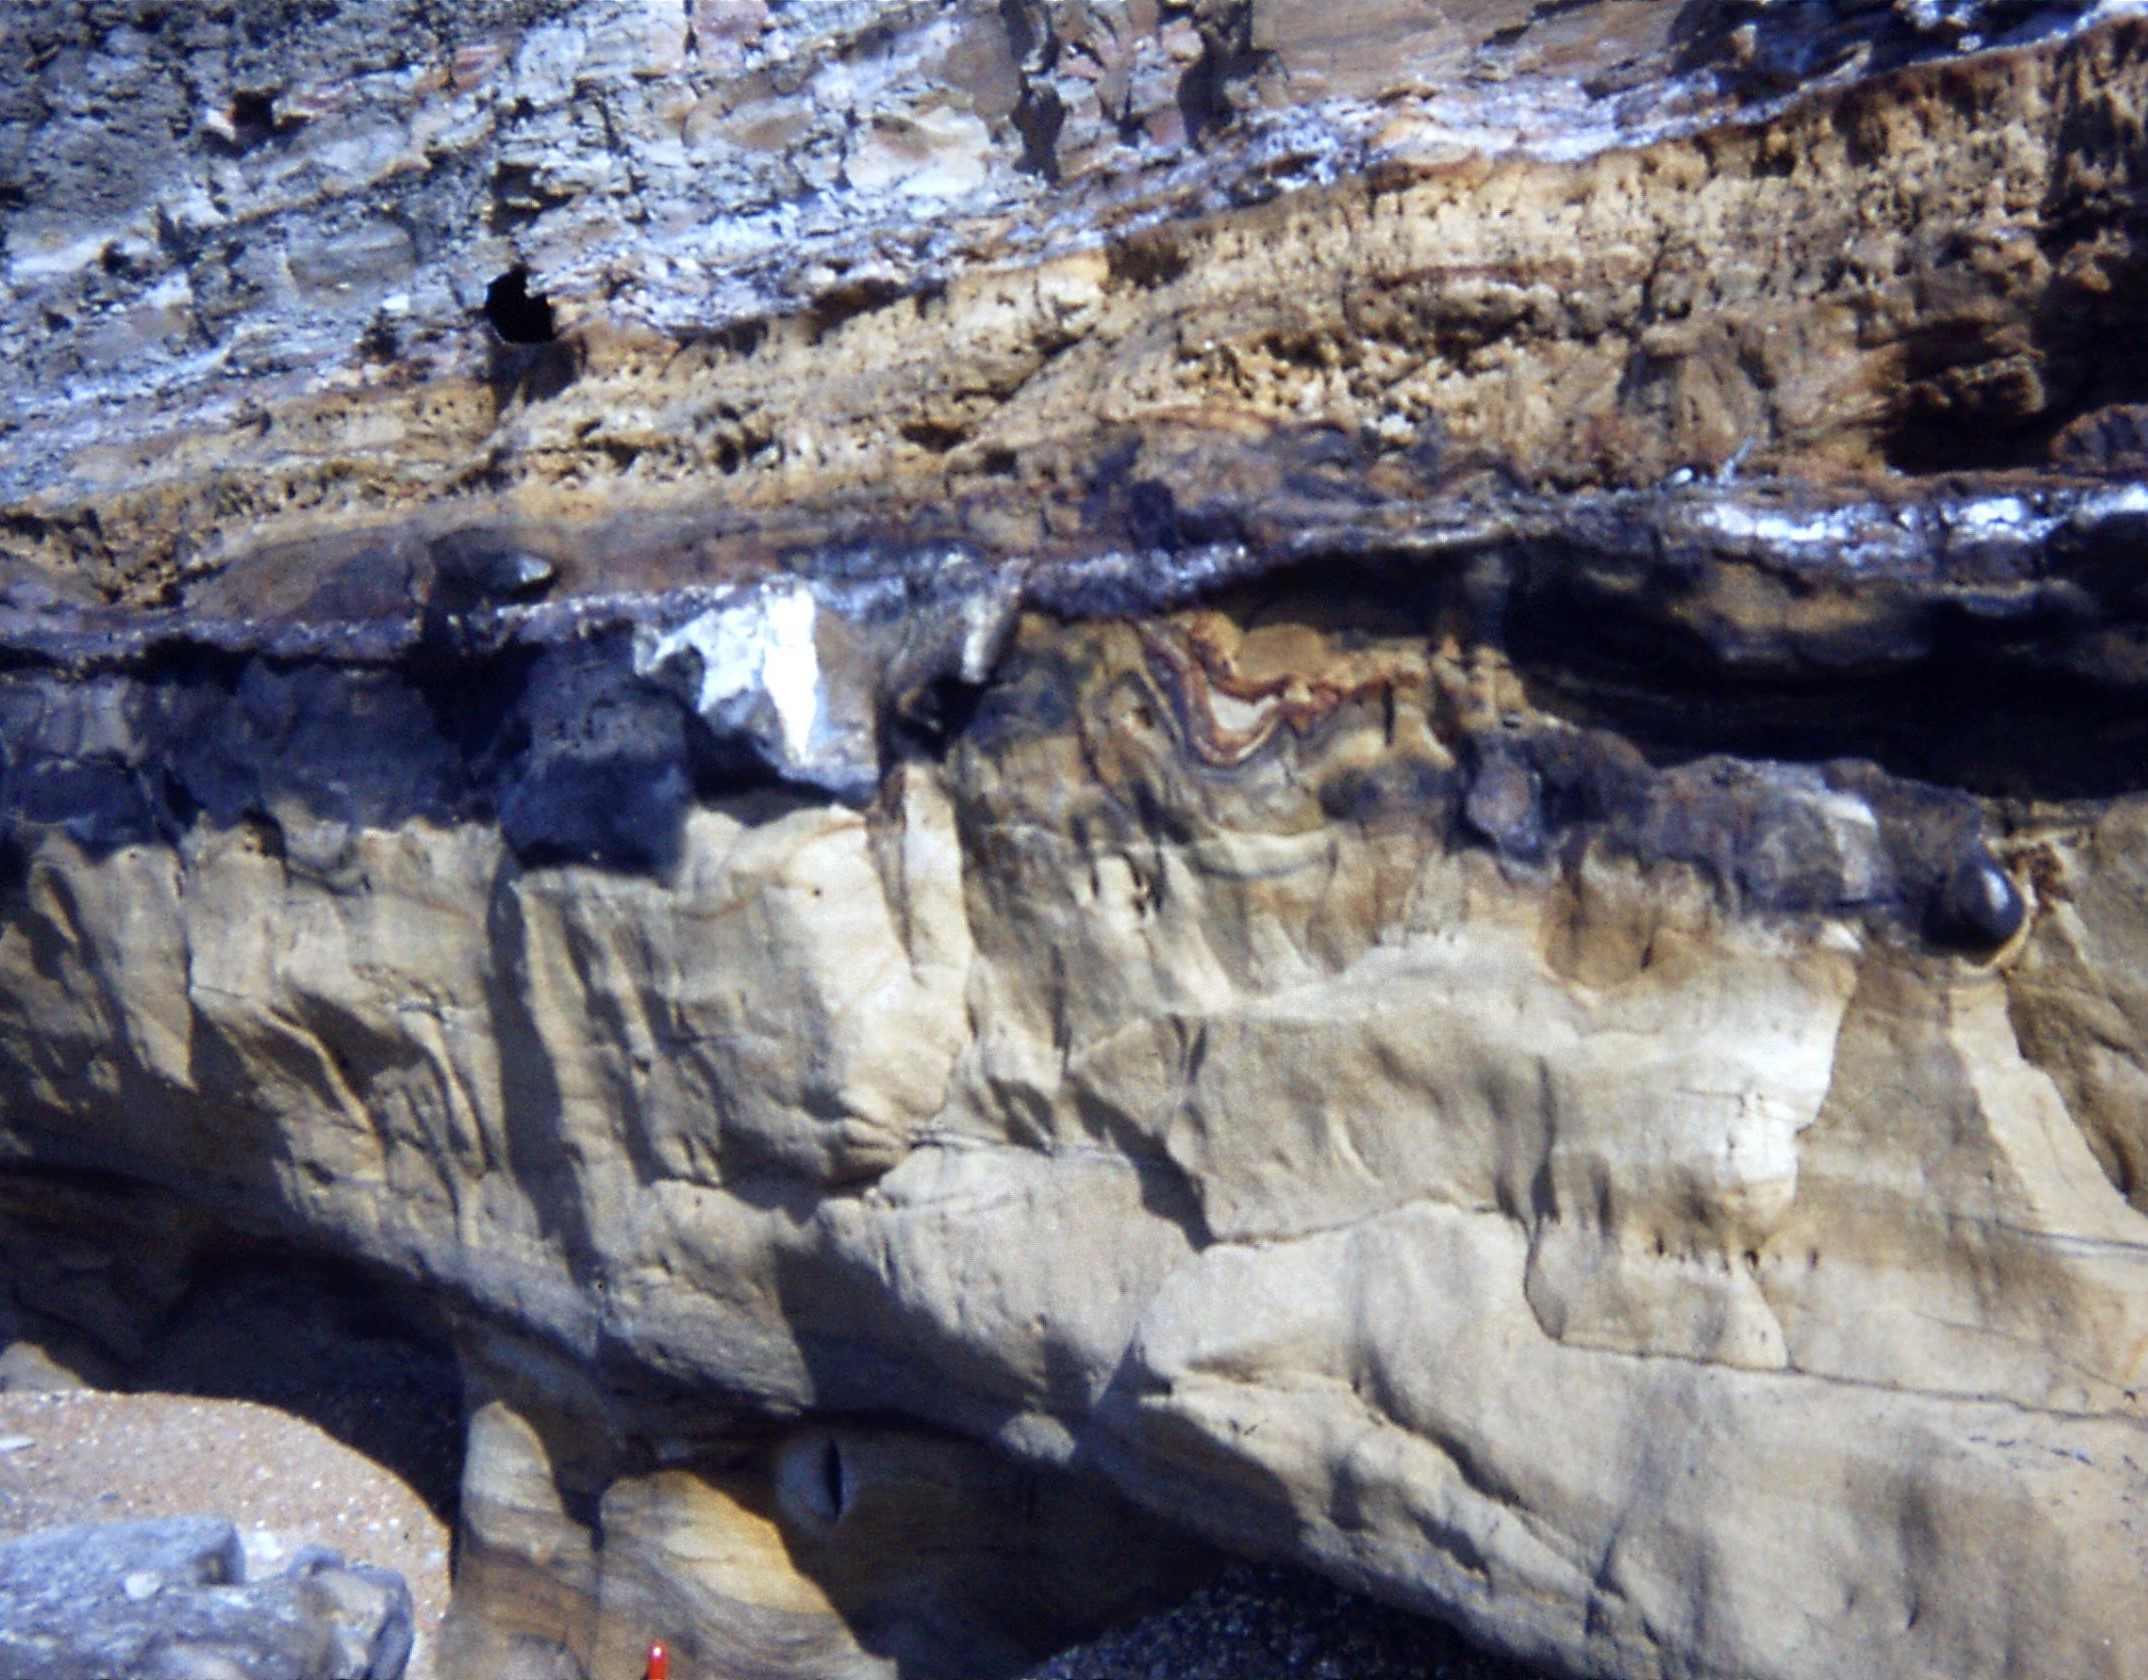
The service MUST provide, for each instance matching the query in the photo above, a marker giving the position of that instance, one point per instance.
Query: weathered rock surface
(168, 1600)
(1365, 786)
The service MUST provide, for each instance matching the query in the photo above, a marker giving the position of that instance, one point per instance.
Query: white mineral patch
(1856, 834)
(32, 258)
(1997, 517)
(758, 646)
(987, 622)
(1239, 717)
(1858, 532)
(1830, 528)
(2129, 498)
(262, 1547)
(790, 664)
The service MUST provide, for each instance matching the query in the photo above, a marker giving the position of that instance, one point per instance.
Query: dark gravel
(1263, 1622)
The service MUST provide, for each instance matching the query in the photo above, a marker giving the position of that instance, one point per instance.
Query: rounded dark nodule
(1977, 907)
(517, 314)
(1502, 805)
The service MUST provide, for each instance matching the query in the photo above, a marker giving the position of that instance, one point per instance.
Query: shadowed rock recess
(1011, 786)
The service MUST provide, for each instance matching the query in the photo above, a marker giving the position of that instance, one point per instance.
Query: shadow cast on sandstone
(113, 1286)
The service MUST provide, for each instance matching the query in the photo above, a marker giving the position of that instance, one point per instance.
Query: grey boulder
(167, 1599)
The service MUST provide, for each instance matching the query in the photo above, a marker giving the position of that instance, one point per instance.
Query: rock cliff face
(1007, 782)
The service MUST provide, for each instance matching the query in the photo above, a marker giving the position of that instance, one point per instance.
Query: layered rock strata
(1425, 860)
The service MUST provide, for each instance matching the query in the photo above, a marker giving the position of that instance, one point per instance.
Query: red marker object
(659, 1663)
